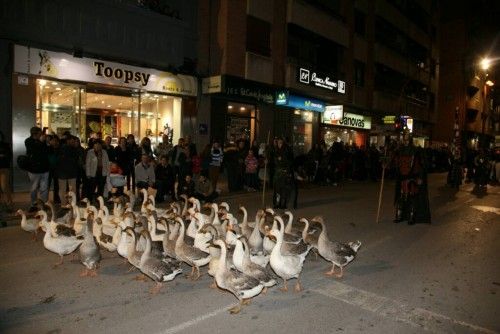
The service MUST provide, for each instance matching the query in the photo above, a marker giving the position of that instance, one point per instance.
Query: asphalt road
(439, 278)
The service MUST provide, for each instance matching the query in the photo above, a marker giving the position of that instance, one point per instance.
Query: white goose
(242, 286)
(28, 225)
(338, 253)
(285, 266)
(189, 254)
(156, 269)
(62, 243)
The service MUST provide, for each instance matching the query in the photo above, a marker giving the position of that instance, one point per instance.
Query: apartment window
(359, 74)
(360, 22)
(258, 36)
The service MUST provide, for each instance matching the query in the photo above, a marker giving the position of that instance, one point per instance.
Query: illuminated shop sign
(353, 121)
(333, 114)
(64, 66)
(299, 102)
(312, 78)
(389, 119)
(407, 122)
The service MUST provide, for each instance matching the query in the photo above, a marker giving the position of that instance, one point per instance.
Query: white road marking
(194, 321)
(393, 309)
(484, 208)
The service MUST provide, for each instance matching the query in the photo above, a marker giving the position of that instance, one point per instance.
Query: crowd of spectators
(101, 169)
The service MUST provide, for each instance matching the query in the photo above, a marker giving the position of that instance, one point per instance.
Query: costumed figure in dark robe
(455, 173)
(411, 195)
(285, 187)
(482, 169)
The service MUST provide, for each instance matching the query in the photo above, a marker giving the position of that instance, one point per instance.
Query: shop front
(340, 126)
(90, 97)
(239, 108)
(297, 120)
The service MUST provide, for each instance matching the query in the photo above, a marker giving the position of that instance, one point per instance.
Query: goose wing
(63, 230)
(238, 281)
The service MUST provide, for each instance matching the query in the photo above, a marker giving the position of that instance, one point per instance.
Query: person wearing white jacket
(97, 170)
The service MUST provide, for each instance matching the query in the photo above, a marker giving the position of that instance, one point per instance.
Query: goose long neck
(180, 237)
(147, 250)
(306, 229)
(245, 216)
(77, 212)
(132, 246)
(222, 259)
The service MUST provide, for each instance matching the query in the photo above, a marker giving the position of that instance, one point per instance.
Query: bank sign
(311, 78)
(351, 121)
(283, 98)
(64, 66)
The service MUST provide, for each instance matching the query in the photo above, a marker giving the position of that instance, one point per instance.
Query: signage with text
(333, 114)
(312, 78)
(353, 121)
(64, 66)
(283, 98)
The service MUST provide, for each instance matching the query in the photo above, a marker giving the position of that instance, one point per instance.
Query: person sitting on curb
(204, 190)
(185, 186)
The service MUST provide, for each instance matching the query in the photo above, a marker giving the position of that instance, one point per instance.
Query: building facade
(466, 89)
(316, 70)
(116, 67)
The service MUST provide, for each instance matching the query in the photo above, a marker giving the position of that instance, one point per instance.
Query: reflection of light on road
(484, 208)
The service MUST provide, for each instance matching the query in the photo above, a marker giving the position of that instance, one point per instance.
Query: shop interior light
(60, 94)
(109, 106)
(490, 83)
(74, 90)
(155, 96)
(229, 107)
(58, 88)
(242, 108)
(47, 87)
(54, 83)
(42, 82)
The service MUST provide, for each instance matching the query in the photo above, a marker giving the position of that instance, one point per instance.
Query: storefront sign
(388, 119)
(312, 78)
(64, 66)
(211, 85)
(283, 98)
(333, 114)
(354, 121)
(248, 89)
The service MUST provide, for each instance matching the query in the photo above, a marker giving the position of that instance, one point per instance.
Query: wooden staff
(265, 170)
(381, 185)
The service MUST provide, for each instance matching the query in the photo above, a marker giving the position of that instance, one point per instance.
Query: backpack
(24, 162)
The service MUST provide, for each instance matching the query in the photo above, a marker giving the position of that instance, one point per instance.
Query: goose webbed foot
(156, 288)
(298, 286)
(198, 275)
(191, 275)
(285, 286)
(57, 264)
(213, 285)
(141, 278)
(246, 301)
(331, 272)
(235, 309)
(84, 273)
(264, 291)
(93, 273)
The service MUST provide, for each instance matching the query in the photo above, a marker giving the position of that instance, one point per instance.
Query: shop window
(240, 121)
(360, 22)
(258, 36)
(160, 114)
(58, 106)
(302, 131)
(359, 74)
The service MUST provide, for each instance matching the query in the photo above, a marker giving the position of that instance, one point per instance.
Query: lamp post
(485, 65)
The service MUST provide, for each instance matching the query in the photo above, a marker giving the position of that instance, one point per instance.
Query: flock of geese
(244, 257)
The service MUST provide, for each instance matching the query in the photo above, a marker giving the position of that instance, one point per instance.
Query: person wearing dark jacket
(135, 156)
(67, 168)
(165, 180)
(38, 172)
(54, 148)
(124, 159)
(186, 186)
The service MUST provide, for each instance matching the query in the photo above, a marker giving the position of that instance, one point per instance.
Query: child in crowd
(116, 179)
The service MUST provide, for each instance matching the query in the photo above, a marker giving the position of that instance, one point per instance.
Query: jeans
(63, 183)
(39, 183)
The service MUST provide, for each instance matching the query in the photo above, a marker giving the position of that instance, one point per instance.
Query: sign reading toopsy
(353, 121)
(63, 66)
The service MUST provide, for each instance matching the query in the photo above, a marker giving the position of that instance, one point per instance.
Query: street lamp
(485, 64)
